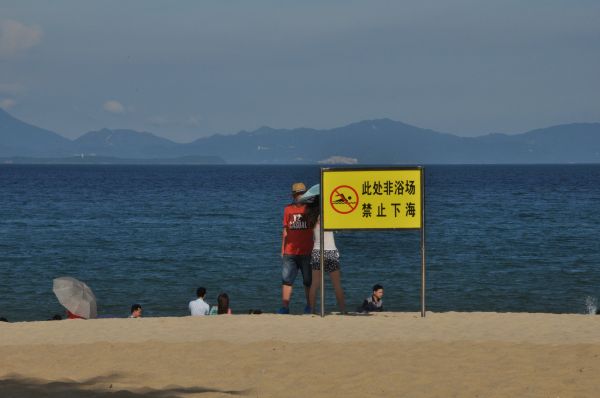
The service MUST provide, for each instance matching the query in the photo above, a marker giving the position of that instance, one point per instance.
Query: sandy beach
(386, 355)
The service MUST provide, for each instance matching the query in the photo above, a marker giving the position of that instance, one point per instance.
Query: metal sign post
(372, 198)
(423, 244)
(322, 250)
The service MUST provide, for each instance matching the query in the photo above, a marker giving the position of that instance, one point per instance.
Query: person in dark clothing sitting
(374, 303)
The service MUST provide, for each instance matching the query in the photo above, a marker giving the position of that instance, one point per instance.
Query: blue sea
(499, 238)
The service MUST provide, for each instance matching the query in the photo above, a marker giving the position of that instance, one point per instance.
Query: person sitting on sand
(222, 306)
(199, 307)
(374, 303)
(136, 311)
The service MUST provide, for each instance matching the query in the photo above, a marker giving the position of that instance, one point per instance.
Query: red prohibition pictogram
(344, 199)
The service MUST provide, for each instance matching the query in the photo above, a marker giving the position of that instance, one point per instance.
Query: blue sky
(186, 69)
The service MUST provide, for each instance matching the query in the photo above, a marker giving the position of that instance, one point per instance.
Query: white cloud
(7, 103)
(16, 37)
(113, 106)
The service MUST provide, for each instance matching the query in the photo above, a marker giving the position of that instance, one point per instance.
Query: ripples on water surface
(499, 238)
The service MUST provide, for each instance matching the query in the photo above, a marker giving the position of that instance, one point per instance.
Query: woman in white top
(331, 262)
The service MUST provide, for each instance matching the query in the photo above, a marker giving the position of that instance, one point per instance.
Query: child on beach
(374, 303)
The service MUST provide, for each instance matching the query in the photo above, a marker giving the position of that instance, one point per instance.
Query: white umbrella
(75, 296)
(311, 194)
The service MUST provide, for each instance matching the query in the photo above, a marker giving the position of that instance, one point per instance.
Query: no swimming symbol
(344, 199)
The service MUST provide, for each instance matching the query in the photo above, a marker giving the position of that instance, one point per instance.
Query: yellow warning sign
(372, 198)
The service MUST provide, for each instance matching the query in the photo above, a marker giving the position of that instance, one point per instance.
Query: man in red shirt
(296, 247)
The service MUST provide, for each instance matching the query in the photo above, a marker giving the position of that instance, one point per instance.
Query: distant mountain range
(381, 141)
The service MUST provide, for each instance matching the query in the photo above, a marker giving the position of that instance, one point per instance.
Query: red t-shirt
(299, 240)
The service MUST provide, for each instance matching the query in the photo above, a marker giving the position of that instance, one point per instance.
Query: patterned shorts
(331, 260)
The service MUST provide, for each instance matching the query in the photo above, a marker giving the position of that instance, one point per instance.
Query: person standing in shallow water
(296, 246)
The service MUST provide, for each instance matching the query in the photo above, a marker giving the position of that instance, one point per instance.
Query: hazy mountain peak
(375, 141)
(589, 128)
(375, 124)
(18, 137)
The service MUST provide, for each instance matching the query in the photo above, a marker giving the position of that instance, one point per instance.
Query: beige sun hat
(298, 187)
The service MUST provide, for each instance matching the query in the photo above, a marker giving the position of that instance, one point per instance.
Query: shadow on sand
(14, 386)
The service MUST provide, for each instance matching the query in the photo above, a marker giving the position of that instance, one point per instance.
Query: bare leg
(339, 292)
(286, 293)
(316, 284)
